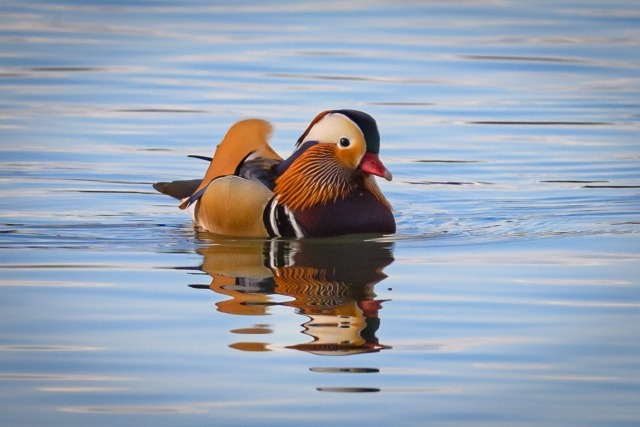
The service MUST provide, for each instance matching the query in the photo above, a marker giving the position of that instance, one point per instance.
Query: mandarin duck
(325, 188)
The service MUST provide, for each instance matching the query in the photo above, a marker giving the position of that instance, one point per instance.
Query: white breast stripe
(294, 223)
(272, 217)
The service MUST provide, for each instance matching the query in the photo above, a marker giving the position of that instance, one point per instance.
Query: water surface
(509, 296)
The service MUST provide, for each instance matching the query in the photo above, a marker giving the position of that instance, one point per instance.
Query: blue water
(509, 296)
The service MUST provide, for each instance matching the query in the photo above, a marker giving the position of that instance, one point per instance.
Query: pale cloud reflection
(188, 408)
(573, 282)
(18, 376)
(514, 366)
(532, 370)
(132, 409)
(528, 301)
(49, 283)
(585, 378)
(450, 345)
(82, 389)
(29, 348)
(568, 258)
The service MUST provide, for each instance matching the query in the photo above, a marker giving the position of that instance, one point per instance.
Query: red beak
(372, 164)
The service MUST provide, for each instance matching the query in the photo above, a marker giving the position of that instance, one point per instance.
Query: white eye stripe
(333, 127)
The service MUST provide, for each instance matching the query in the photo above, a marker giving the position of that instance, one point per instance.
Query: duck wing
(245, 139)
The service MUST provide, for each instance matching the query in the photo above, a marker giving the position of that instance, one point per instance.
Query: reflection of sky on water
(510, 127)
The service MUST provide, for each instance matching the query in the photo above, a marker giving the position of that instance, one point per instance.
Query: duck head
(356, 136)
(335, 156)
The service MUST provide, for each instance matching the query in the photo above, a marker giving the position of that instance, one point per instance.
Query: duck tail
(177, 189)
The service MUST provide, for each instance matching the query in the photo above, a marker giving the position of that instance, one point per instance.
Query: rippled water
(509, 296)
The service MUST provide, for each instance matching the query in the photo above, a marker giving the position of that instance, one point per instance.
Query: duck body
(325, 188)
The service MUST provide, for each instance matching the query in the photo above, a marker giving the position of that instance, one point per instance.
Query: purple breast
(360, 212)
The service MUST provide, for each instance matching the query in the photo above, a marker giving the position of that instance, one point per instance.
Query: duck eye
(344, 142)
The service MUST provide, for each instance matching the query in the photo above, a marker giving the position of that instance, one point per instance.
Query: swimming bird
(325, 188)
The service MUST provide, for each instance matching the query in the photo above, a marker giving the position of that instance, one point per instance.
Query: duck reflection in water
(330, 281)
